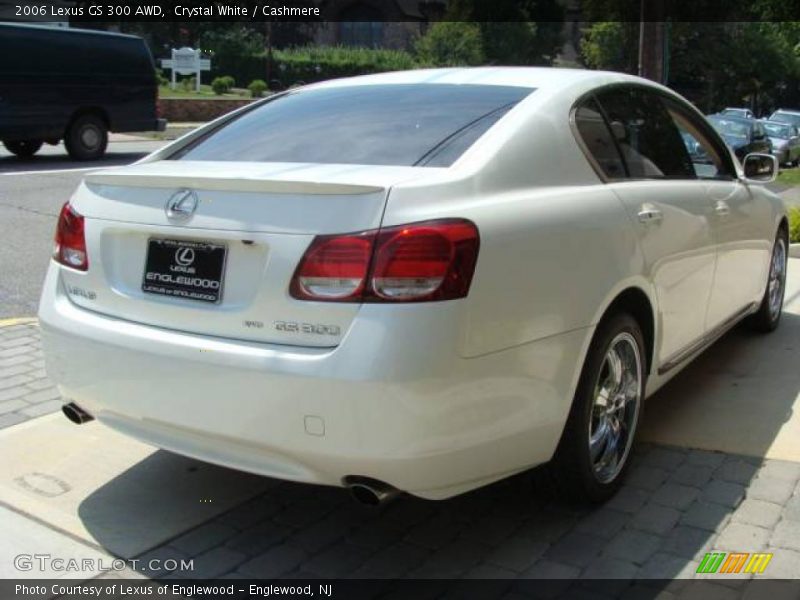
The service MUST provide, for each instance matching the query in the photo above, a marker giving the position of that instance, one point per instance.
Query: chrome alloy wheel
(777, 278)
(615, 410)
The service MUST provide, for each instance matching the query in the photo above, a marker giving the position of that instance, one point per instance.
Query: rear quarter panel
(556, 245)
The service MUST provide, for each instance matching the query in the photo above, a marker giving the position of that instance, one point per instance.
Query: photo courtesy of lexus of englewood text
(400, 299)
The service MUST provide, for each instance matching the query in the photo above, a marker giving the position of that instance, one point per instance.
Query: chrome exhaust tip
(370, 492)
(76, 414)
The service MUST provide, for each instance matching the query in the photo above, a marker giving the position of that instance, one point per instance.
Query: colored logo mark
(734, 562)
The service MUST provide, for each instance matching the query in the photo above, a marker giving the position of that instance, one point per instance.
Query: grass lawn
(206, 93)
(789, 177)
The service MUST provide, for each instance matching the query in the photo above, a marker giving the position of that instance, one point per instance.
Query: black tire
(768, 316)
(86, 138)
(573, 469)
(23, 148)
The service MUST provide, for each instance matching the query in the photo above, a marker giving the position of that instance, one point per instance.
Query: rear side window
(648, 141)
(402, 125)
(598, 141)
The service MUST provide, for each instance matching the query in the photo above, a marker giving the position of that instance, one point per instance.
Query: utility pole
(268, 40)
(652, 40)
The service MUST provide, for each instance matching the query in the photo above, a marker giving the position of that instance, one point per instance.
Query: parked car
(744, 136)
(744, 113)
(785, 141)
(73, 85)
(792, 117)
(422, 281)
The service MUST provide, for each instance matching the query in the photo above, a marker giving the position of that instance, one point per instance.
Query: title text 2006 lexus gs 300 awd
(422, 281)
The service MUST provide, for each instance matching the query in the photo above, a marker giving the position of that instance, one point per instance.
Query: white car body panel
(432, 398)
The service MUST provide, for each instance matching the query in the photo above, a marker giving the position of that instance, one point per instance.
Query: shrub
(450, 44)
(794, 225)
(222, 85)
(316, 63)
(257, 88)
(235, 50)
(161, 79)
(188, 84)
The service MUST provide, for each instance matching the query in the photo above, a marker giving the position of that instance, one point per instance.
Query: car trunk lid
(251, 225)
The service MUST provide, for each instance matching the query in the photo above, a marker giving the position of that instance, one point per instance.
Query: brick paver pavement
(25, 390)
(676, 505)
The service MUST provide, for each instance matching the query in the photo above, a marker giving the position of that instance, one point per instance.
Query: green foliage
(513, 32)
(714, 64)
(316, 63)
(222, 85)
(235, 51)
(450, 43)
(257, 88)
(794, 225)
(606, 45)
(509, 43)
(188, 84)
(160, 78)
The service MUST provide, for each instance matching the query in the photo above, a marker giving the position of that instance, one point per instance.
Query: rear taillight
(432, 260)
(70, 242)
(334, 268)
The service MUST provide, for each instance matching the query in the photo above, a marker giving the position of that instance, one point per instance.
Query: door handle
(649, 214)
(722, 208)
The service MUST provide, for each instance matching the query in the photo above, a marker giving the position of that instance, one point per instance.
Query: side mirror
(760, 168)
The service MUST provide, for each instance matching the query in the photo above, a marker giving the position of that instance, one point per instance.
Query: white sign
(186, 61)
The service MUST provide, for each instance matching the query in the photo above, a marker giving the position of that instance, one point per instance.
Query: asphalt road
(31, 194)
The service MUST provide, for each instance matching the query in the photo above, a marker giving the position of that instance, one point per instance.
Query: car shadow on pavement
(47, 162)
(677, 504)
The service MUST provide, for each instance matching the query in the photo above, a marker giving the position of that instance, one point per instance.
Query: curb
(794, 250)
(17, 321)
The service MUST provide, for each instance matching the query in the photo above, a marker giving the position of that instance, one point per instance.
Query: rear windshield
(791, 118)
(401, 125)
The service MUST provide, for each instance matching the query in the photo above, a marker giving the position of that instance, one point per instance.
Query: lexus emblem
(181, 205)
(184, 256)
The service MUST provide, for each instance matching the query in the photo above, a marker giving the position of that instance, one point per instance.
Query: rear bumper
(393, 401)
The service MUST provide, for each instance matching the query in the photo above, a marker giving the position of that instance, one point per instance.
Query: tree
(713, 64)
(450, 43)
(514, 32)
(610, 45)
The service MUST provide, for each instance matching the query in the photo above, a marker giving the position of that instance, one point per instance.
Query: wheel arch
(88, 110)
(783, 223)
(634, 300)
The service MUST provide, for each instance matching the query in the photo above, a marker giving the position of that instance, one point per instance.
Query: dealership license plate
(184, 269)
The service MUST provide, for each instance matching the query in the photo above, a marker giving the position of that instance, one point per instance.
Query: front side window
(708, 161)
(650, 144)
(397, 124)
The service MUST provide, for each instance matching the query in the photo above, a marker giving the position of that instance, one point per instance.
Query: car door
(669, 208)
(761, 142)
(740, 254)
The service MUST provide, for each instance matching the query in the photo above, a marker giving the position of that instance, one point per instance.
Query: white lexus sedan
(415, 282)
